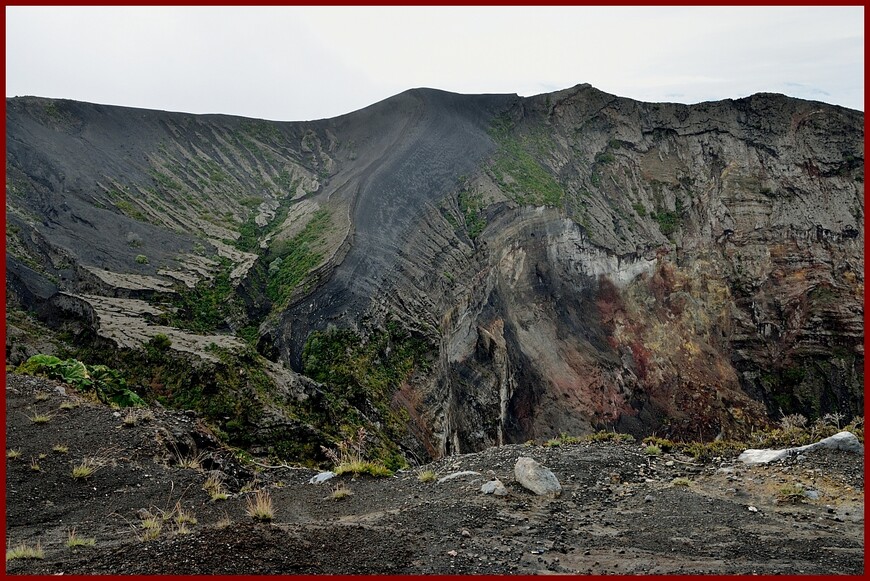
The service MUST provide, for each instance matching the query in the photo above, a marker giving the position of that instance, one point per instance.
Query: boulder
(536, 478)
(845, 441)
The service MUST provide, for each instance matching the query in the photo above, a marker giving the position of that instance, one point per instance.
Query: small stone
(321, 478)
(669, 463)
(648, 498)
(465, 533)
(452, 553)
(494, 487)
(753, 509)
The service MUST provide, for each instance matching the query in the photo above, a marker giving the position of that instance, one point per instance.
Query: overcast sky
(300, 63)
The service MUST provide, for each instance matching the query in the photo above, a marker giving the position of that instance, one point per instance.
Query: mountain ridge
(549, 251)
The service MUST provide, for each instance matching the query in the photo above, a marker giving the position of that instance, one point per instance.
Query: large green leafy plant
(106, 383)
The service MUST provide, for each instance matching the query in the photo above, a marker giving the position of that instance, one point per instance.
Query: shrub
(141, 259)
(260, 506)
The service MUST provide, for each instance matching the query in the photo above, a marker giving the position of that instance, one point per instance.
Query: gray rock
(536, 478)
(321, 478)
(845, 441)
(455, 475)
(812, 494)
(494, 487)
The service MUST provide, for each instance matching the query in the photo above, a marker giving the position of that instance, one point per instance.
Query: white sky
(299, 63)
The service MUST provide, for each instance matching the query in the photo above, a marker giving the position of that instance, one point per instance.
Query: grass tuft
(681, 481)
(73, 540)
(214, 486)
(652, 450)
(41, 396)
(260, 506)
(60, 448)
(87, 468)
(426, 476)
(341, 492)
(24, 551)
(13, 454)
(40, 418)
(68, 405)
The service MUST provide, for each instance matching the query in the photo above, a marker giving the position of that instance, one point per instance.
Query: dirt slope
(619, 512)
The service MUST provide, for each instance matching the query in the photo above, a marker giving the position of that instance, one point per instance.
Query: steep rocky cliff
(455, 271)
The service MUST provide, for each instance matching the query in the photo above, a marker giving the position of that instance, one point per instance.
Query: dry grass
(41, 396)
(34, 465)
(68, 405)
(214, 486)
(60, 448)
(73, 540)
(340, 492)
(190, 462)
(224, 522)
(13, 454)
(183, 517)
(260, 506)
(349, 457)
(681, 481)
(24, 551)
(134, 416)
(38, 418)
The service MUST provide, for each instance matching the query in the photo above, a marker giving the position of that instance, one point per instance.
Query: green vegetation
(652, 450)
(516, 170)
(293, 259)
(366, 374)
(640, 209)
(24, 551)
(349, 457)
(681, 481)
(87, 468)
(106, 384)
(73, 540)
(426, 476)
(471, 205)
(791, 493)
(141, 259)
(207, 306)
(668, 221)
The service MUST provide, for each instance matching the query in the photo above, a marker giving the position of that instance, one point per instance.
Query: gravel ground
(620, 511)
